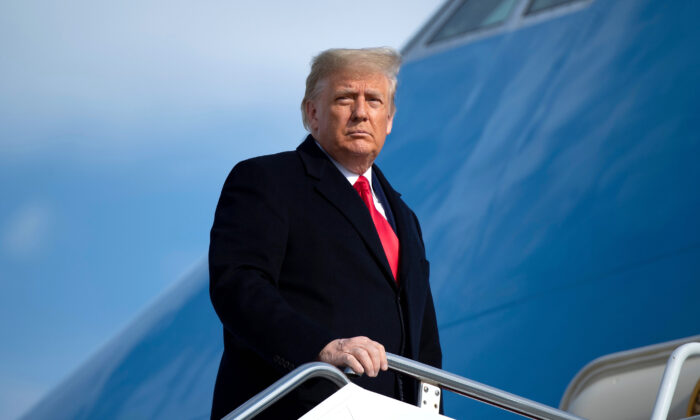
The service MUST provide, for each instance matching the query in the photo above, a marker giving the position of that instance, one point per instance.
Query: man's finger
(351, 361)
(382, 354)
(378, 354)
(363, 349)
(362, 355)
(375, 354)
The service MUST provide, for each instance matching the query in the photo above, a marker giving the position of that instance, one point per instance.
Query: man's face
(351, 117)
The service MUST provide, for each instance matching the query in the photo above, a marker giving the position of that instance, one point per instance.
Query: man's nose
(360, 111)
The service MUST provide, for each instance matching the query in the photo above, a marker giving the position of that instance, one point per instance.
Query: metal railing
(420, 371)
(670, 379)
(459, 385)
(284, 385)
(476, 390)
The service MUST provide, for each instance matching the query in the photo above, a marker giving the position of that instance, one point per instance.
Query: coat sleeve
(246, 254)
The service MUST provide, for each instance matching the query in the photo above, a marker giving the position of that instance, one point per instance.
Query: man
(314, 256)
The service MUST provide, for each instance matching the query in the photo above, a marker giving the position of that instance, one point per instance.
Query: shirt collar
(349, 175)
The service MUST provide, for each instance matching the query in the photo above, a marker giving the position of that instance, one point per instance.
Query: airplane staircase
(434, 380)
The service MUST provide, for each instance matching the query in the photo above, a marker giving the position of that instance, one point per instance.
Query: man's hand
(359, 353)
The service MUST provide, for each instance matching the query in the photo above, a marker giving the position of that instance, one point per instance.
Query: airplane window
(472, 15)
(538, 5)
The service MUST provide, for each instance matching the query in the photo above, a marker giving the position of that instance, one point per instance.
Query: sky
(119, 122)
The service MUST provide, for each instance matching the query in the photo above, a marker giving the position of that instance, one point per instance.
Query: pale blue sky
(118, 124)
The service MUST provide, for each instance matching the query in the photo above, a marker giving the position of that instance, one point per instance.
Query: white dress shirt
(352, 178)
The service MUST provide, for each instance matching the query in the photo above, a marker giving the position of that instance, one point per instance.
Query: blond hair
(382, 59)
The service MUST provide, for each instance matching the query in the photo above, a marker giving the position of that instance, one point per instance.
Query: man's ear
(390, 124)
(312, 115)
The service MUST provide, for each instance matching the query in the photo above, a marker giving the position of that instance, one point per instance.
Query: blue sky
(118, 124)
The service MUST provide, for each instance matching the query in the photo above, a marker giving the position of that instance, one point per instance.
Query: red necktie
(390, 242)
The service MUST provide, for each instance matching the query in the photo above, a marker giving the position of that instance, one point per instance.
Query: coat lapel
(404, 230)
(413, 274)
(332, 185)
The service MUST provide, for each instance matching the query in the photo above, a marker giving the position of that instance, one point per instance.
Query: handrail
(670, 379)
(459, 385)
(476, 390)
(284, 385)
(423, 372)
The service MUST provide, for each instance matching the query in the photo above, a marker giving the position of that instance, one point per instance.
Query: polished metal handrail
(476, 390)
(420, 371)
(670, 379)
(284, 385)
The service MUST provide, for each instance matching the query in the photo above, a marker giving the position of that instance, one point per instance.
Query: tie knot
(362, 185)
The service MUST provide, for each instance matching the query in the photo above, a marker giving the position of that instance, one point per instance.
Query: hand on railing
(360, 354)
